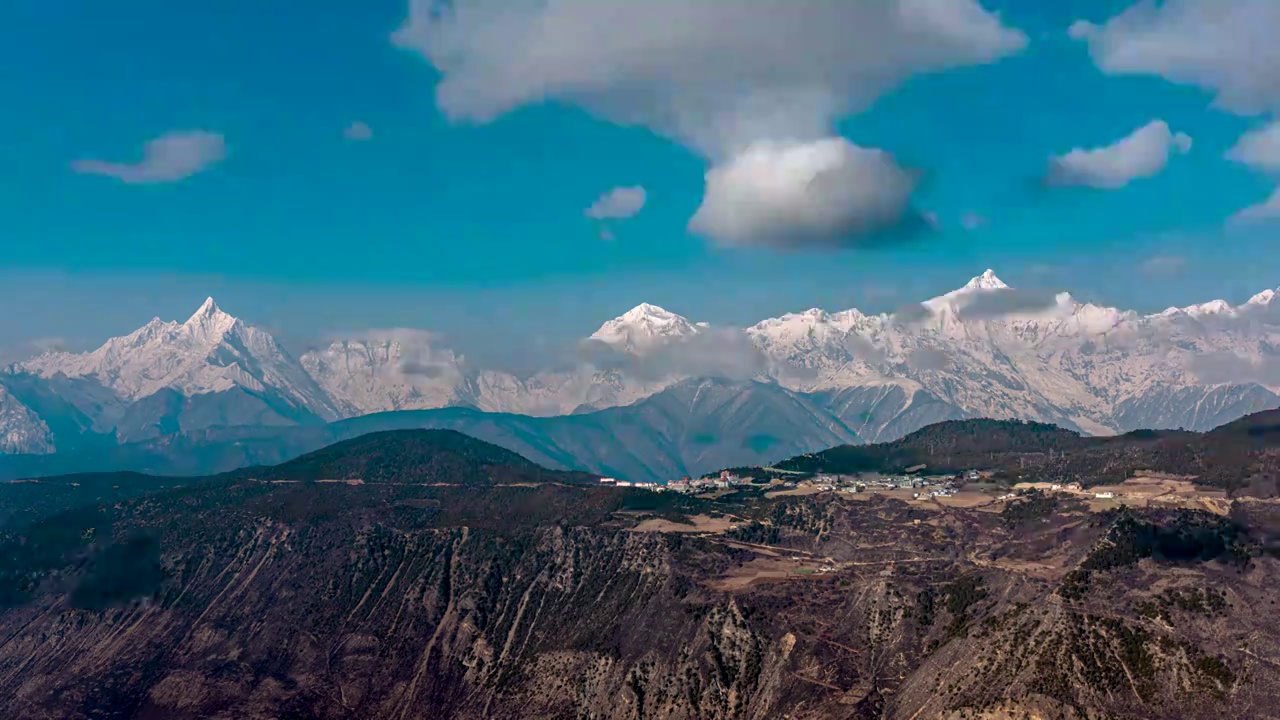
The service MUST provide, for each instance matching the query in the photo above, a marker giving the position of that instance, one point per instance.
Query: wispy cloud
(28, 349)
(620, 203)
(169, 158)
(1142, 154)
(358, 132)
(1001, 302)
(1163, 265)
(1265, 211)
(1228, 367)
(1259, 148)
(972, 221)
(726, 353)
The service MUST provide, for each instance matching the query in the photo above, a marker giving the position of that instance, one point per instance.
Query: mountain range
(983, 350)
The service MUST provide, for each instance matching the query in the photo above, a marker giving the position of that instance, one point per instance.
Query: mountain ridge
(983, 350)
(689, 429)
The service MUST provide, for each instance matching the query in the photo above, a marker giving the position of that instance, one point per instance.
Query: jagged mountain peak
(647, 311)
(211, 352)
(986, 281)
(1264, 298)
(207, 309)
(209, 322)
(1213, 307)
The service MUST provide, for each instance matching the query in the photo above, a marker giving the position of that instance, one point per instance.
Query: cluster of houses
(614, 482)
(725, 481)
(927, 486)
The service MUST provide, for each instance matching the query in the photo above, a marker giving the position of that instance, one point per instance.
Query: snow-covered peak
(209, 323)
(208, 309)
(386, 370)
(209, 353)
(985, 281)
(1213, 307)
(644, 312)
(1264, 298)
(791, 324)
(644, 325)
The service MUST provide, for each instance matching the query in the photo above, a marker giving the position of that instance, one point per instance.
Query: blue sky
(475, 227)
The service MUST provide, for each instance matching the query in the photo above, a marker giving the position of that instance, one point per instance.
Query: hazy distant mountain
(694, 427)
(983, 350)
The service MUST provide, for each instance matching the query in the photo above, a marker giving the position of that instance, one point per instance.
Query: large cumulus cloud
(819, 193)
(1226, 46)
(746, 83)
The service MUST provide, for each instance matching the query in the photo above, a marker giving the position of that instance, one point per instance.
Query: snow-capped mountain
(21, 430)
(210, 370)
(984, 349)
(644, 327)
(211, 352)
(385, 371)
(989, 350)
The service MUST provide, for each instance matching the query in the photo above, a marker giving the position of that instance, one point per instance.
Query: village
(923, 486)
(971, 488)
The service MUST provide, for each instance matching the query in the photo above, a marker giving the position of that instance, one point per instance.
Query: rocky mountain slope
(983, 350)
(417, 597)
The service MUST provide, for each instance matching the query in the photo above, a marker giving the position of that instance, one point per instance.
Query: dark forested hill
(414, 456)
(1243, 456)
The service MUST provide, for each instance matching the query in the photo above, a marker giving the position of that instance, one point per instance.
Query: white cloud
(169, 158)
(804, 194)
(619, 203)
(358, 132)
(1264, 211)
(1228, 367)
(713, 352)
(926, 359)
(1163, 265)
(1259, 148)
(1141, 154)
(1002, 302)
(1225, 46)
(716, 75)
(720, 77)
(28, 349)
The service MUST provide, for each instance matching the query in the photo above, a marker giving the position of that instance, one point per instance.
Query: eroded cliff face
(354, 602)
